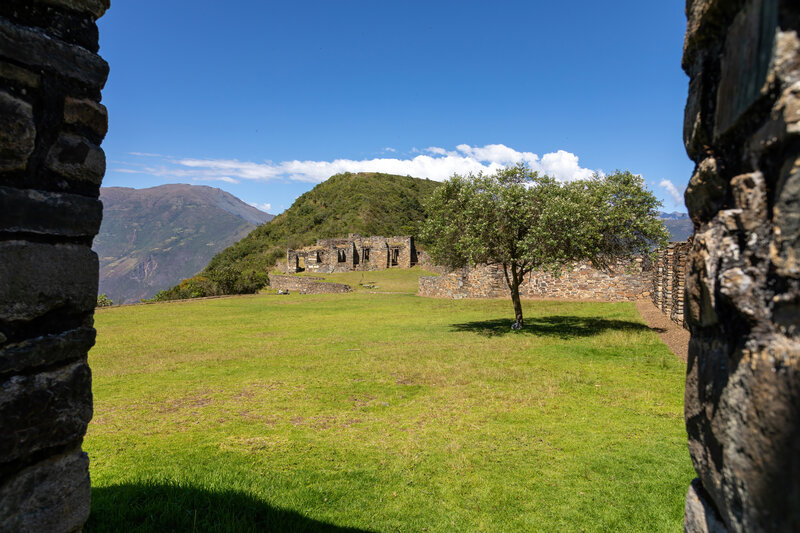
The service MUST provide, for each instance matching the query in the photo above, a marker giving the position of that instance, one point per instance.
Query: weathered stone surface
(49, 213)
(705, 192)
(17, 132)
(88, 113)
(19, 75)
(50, 128)
(44, 410)
(52, 495)
(77, 158)
(699, 516)
(46, 350)
(745, 63)
(742, 398)
(35, 48)
(38, 278)
(94, 7)
(785, 245)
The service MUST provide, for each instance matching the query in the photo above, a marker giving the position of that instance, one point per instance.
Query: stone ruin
(355, 253)
(51, 165)
(742, 399)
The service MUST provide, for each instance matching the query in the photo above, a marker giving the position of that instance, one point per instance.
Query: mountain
(366, 203)
(150, 239)
(678, 224)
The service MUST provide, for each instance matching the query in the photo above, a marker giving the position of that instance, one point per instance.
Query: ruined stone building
(354, 253)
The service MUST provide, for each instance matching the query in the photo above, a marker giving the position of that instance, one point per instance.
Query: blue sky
(265, 99)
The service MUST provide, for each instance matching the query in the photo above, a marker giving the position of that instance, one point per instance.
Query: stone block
(699, 516)
(52, 495)
(77, 158)
(44, 410)
(38, 278)
(19, 75)
(87, 113)
(745, 62)
(705, 192)
(17, 132)
(46, 350)
(36, 49)
(784, 247)
(96, 8)
(49, 213)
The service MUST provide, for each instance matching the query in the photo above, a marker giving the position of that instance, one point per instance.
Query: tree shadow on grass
(561, 326)
(146, 507)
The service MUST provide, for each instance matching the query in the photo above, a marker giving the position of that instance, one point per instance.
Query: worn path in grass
(384, 413)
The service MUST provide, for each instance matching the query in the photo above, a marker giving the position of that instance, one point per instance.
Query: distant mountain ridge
(152, 238)
(678, 224)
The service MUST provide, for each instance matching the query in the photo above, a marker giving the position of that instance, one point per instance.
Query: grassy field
(383, 281)
(384, 412)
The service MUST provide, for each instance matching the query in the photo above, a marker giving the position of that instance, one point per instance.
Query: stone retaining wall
(669, 272)
(306, 285)
(742, 129)
(51, 166)
(583, 282)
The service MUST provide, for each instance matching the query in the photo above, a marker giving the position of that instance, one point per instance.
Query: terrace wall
(669, 274)
(51, 166)
(742, 400)
(624, 282)
(306, 285)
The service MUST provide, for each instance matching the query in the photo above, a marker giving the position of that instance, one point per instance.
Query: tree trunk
(513, 281)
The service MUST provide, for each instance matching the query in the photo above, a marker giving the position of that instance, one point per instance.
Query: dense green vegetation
(525, 222)
(384, 412)
(366, 203)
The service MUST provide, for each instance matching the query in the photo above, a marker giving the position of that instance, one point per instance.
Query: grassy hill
(152, 238)
(367, 203)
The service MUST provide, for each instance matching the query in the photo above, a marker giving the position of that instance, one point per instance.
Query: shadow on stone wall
(145, 507)
(562, 326)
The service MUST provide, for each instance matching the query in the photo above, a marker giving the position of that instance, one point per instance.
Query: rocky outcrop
(742, 128)
(51, 165)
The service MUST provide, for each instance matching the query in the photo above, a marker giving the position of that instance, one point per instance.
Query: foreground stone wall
(583, 282)
(306, 285)
(669, 275)
(742, 129)
(51, 165)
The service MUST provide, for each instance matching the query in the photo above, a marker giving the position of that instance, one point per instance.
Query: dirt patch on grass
(671, 333)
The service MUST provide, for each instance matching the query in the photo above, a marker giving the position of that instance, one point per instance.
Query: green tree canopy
(524, 222)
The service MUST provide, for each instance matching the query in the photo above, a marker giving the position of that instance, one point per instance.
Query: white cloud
(145, 154)
(389, 149)
(226, 179)
(434, 162)
(263, 207)
(676, 196)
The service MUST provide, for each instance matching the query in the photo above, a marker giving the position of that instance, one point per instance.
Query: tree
(104, 301)
(525, 222)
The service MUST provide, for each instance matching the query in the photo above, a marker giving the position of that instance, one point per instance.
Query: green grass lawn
(384, 412)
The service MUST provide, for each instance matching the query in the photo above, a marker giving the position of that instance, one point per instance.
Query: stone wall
(669, 274)
(51, 165)
(583, 282)
(742, 129)
(354, 253)
(306, 285)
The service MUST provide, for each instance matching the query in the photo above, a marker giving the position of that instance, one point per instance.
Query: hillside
(152, 238)
(679, 225)
(367, 203)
